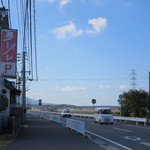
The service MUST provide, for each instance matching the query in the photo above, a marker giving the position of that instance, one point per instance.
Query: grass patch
(4, 140)
(90, 112)
(87, 112)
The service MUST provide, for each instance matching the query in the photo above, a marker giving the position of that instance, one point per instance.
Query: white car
(66, 113)
(103, 115)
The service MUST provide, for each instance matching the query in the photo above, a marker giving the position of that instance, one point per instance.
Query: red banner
(8, 53)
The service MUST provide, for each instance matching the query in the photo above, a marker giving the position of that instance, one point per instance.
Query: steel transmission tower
(133, 79)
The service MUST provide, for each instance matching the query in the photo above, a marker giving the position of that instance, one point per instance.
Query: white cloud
(67, 30)
(70, 89)
(104, 86)
(122, 87)
(71, 30)
(64, 2)
(99, 24)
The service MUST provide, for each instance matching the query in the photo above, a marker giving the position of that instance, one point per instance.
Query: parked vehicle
(66, 113)
(103, 115)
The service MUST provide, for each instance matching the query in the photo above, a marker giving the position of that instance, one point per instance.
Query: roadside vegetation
(90, 112)
(4, 140)
(136, 103)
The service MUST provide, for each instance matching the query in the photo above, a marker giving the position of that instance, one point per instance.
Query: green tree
(135, 103)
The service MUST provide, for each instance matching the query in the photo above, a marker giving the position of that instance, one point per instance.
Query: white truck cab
(103, 115)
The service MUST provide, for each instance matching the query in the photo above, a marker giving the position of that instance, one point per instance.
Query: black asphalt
(46, 135)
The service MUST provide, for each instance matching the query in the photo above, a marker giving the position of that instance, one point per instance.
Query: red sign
(8, 53)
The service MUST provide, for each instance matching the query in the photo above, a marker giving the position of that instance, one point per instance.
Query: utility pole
(149, 85)
(149, 96)
(23, 89)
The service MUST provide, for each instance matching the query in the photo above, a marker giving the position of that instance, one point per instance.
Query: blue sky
(87, 49)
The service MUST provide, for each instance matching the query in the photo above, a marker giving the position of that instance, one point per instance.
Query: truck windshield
(105, 111)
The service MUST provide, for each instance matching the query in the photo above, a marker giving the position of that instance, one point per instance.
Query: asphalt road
(42, 134)
(121, 136)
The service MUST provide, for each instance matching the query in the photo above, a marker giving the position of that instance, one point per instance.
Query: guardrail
(137, 120)
(83, 115)
(119, 118)
(55, 118)
(125, 119)
(76, 125)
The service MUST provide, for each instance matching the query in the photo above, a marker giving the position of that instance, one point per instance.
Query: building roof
(10, 85)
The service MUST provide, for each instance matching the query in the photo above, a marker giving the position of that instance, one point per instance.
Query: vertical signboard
(8, 53)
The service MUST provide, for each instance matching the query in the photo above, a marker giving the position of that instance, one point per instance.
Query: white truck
(103, 115)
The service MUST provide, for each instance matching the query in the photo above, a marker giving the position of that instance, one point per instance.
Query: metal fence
(55, 118)
(119, 118)
(116, 118)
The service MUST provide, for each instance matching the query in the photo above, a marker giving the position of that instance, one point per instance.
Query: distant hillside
(61, 106)
(36, 102)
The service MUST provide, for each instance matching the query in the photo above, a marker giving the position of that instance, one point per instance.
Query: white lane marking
(127, 148)
(132, 138)
(145, 143)
(122, 129)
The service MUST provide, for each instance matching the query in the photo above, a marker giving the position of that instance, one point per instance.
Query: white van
(66, 113)
(103, 115)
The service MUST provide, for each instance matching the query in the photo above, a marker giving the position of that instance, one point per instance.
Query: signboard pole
(93, 102)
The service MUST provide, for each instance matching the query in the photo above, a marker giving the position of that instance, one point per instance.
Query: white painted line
(108, 140)
(145, 143)
(132, 138)
(122, 129)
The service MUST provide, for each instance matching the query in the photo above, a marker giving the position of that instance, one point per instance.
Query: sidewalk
(46, 135)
